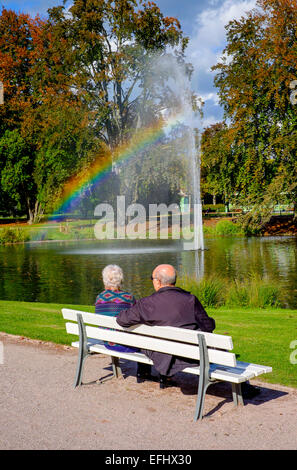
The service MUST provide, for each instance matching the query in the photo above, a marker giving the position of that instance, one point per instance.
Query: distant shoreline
(82, 230)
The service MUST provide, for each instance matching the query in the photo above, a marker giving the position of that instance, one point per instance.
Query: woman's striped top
(111, 303)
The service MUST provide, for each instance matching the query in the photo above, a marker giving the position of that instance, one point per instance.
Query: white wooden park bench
(217, 362)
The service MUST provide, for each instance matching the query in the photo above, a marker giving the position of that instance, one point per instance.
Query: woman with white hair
(113, 300)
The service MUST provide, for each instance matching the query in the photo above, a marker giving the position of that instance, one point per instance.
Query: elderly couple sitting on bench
(167, 306)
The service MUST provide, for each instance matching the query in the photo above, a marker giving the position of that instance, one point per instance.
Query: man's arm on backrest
(204, 322)
(129, 317)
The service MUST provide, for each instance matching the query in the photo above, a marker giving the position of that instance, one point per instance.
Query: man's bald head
(166, 274)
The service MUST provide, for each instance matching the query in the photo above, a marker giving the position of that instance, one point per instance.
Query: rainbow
(101, 168)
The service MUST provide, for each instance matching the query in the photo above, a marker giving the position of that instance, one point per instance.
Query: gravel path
(41, 410)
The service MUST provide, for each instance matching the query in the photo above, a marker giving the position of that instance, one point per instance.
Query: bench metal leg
(79, 370)
(237, 394)
(204, 380)
(117, 371)
(83, 350)
(202, 387)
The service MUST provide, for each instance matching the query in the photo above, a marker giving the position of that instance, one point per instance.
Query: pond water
(70, 272)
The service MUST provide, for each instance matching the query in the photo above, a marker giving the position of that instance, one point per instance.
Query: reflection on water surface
(70, 272)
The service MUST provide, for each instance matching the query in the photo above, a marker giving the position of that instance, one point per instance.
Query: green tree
(253, 81)
(16, 167)
(217, 163)
(106, 46)
(66, 147)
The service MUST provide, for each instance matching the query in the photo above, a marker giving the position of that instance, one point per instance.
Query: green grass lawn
(262, 336)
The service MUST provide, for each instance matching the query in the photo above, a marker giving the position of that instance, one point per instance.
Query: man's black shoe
(143, 377)
(143, 372)
(167, 382)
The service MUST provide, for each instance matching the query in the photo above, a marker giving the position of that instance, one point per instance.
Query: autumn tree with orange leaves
(19, 50)
(29, 118)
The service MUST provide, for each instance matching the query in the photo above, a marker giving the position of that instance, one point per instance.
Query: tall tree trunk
(30, 212)
(35, 213)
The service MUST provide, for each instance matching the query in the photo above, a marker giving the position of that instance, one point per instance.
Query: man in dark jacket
(168, 306)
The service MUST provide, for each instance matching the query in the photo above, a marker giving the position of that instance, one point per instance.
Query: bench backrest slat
(168, 332)
(156, 344)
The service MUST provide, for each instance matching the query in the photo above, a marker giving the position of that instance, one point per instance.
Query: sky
(203, 21)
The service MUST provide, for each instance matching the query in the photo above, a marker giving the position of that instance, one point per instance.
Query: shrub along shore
(251, 291)
(262, 336)
(84, 230)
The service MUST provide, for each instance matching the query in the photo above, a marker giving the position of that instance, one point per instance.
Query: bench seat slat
(224, 374)
(155, 344)
(100, 348)
(258, 369)
(168, 332)
(231, 374)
